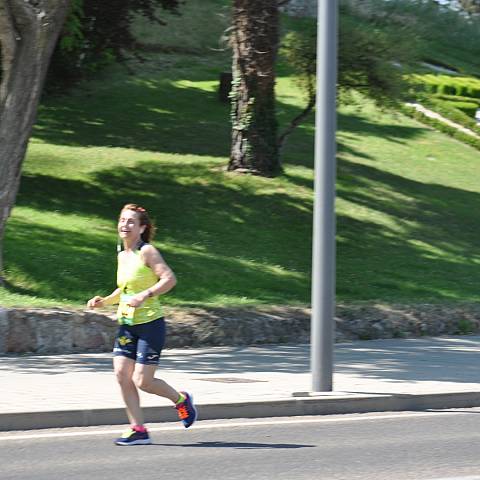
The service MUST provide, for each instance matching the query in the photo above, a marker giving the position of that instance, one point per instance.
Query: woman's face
(129, 225)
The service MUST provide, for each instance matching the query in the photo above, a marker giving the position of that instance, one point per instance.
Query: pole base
(321, 394)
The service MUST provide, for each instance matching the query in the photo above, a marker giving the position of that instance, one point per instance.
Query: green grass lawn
(407, 212)
(164, 143)
(407, 198)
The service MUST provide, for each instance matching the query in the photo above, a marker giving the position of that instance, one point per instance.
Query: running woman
(142, 276)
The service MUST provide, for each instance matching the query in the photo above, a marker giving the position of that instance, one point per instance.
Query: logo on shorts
(152, 357)
(124, 340)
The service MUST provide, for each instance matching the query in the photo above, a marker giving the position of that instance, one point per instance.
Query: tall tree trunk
(255, 45)
(28, 33)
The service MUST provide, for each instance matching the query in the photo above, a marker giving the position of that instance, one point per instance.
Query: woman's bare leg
(144, 378)
(124, 370)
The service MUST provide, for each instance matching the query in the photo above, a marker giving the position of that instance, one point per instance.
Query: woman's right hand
(95, 302)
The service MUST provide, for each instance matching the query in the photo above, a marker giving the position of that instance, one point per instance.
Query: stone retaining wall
(60, 331)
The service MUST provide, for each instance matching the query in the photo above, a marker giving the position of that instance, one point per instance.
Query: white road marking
(245, 423)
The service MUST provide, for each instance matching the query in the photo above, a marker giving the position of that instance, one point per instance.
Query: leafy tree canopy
(97, 33)
(369, 54)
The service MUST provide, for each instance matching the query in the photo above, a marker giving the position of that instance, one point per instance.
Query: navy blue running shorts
(142, 343)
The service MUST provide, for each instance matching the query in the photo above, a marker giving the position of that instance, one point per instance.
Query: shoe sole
(147, 441)
(194, 409)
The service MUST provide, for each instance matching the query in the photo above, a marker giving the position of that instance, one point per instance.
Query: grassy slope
(407, 197)
(407, 212)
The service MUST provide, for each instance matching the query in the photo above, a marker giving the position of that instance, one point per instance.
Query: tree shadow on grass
(429, 250)
(229, 236)
(376, 263)
(156, 115)
(444, 216)
(299, 181)
(359, 125)
(168, 116)
(78, 269)
(57, 263)
(224, 239)
(299, 146)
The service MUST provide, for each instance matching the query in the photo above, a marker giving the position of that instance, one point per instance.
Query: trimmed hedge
(469, 108)
(458, 98)
(447, 84)
(455, 98)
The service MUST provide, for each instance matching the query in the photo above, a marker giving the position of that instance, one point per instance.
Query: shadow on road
(236, 445)
(442, 359)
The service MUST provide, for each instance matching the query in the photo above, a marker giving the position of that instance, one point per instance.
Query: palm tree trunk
(254, 129)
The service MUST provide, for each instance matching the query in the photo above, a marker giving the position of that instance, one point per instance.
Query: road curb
(320, 405)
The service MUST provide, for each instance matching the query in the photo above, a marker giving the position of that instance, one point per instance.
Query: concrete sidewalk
(235, 382)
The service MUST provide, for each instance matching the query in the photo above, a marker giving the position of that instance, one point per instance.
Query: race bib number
(125, 312)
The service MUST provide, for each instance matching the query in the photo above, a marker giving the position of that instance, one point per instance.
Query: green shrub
(469, 108)
(366, 51)
(465, 326)
(473, 91)
(446, 84)
(446, 89)
(458, 98)
(451, 108)
(461, 90)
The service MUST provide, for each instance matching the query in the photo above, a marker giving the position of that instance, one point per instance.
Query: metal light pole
(323, 272)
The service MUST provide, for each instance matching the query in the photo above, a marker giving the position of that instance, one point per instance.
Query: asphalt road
(411, 445)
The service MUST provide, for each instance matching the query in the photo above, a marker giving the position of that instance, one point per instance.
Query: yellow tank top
(133, 277)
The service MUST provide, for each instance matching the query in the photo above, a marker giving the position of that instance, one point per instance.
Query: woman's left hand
(137, 300)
